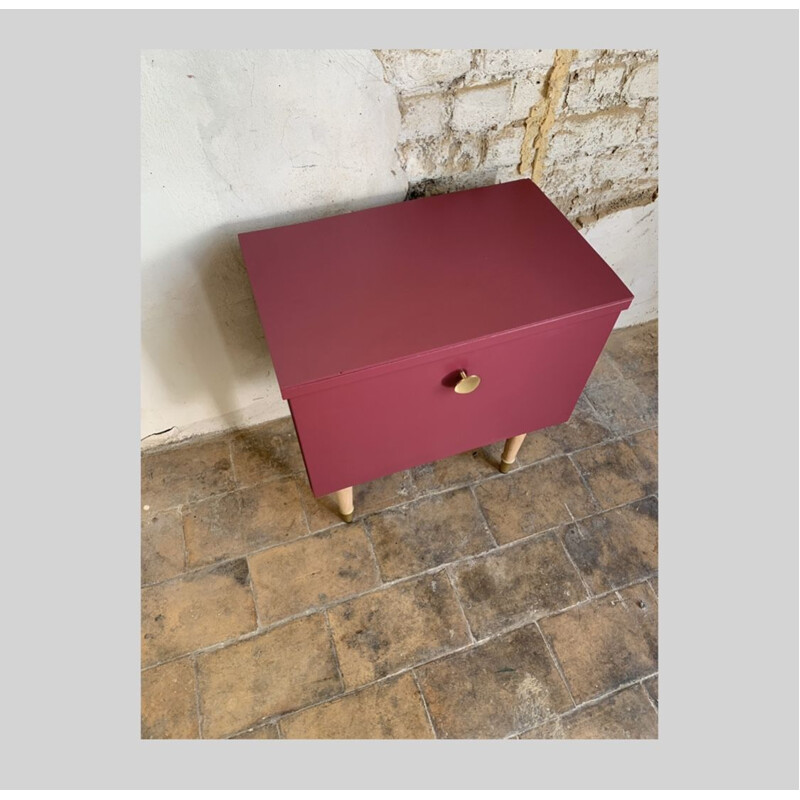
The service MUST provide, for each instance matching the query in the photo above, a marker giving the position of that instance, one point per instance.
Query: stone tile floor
(460, 603)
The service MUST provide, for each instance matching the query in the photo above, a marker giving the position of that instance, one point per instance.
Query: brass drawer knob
(468, 383)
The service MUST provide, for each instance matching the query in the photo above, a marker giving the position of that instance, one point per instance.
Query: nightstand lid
(364, 290)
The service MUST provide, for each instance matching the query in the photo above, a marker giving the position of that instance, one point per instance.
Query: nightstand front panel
(355, 432)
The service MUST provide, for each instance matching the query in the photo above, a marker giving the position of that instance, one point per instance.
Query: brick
(595, 89)
(422, 115)
(642, 83)
(196, 611)
(392, 709)
(627, 166)
(481, 107)
(593, 133)
(528, 91)
(503, 148)
(411, 70)
(312, 572)
(502, 62)
(649, 126)
(407, 623)
(517, 584)
(451, 155)
(505, 685)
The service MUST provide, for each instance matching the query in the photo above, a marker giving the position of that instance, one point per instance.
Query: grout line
(647, 693)
(470, 484)
(592, 701)
(303, 508)
(563, 544)
(556, 662)
(408, 668)
(368, 532)
(407, 579)
(333, 650)
(183, 539)
(233, 465)
(483, 515)
(198, 704)
(424, 703)
(459, 604)
(253, 593)
(585, 483)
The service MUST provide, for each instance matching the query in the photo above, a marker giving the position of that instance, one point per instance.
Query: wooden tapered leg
(510, 452)
(344, 499)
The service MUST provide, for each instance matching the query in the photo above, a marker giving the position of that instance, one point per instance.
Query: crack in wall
(543, 115)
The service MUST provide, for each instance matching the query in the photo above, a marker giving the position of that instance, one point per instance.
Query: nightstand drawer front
(358, 431)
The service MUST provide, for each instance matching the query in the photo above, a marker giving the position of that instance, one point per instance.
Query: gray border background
(728, 425)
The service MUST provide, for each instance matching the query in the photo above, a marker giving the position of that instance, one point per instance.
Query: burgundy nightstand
(415, 331)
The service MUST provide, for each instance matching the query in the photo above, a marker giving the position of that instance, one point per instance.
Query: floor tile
(622, 406)
(625, 715)
(322, 512)
(185, 474)
(647, 384)
(196, 611)
(265, 452)
(491, 691)
(605, 369)
(534, 499)
(517, 583)
(312, 572)
(242, 521)
(268, 731)
(427, 533)
(635, 349)
(618, 472)
(393, 628)
(279, 671)
(169, 702)
(616, 548)
(453, 471)
(605, 643)
(161, 545)
(391, 709)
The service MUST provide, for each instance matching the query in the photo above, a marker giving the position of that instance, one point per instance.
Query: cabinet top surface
(358, 290)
